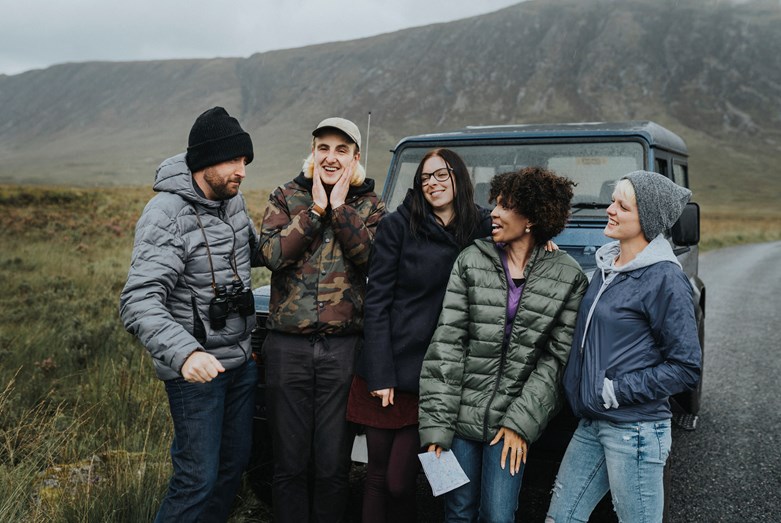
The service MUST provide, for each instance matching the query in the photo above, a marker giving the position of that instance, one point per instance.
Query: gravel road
(729, 469)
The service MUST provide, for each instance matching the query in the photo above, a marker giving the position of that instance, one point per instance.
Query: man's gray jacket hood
(165, 302)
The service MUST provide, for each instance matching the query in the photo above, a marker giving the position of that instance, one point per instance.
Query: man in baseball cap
(316, 237)
(340, 124)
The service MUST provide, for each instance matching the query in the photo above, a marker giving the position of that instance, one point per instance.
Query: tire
(604, 512)
(689, 401)
(667, 482)
(260, 471)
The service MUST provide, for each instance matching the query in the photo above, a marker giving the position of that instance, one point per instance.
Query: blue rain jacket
(635, 326)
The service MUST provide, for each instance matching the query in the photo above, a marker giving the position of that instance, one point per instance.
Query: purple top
(515, 290)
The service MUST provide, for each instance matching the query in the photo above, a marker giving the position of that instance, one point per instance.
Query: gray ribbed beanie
(660, 201)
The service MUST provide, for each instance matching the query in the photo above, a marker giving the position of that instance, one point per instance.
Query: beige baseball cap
(342, 124)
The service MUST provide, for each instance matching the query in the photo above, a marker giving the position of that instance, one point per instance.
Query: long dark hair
(465, 217)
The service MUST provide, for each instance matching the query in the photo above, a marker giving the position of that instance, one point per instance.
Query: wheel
(689, 401)
(260, 471)
(604, 512)
(667, 481)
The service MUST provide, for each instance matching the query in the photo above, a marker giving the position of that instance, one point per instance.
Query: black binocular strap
(209, 252)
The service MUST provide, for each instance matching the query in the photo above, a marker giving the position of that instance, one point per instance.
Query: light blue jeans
(626, 458)
(491, 496)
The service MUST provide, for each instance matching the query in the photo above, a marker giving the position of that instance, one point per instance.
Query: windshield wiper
(577, 207)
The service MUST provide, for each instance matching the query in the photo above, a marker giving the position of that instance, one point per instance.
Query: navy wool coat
(407, 281)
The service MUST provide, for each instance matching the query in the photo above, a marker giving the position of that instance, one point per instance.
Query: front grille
(258, 336)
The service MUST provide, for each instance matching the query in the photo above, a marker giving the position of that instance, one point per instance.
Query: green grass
(84, 424)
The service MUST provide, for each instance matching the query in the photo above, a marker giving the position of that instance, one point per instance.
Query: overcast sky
(38, 33)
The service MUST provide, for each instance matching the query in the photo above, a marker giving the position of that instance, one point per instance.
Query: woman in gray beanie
(635, 345)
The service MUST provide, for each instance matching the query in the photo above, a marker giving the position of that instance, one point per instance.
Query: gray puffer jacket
(165, 302)
(473, 381)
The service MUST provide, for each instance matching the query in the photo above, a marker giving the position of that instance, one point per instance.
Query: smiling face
(222, 181)
(439, 194)
(334, 153)
(507, 226)
(623, 218)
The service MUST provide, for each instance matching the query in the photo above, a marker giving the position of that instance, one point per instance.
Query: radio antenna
(366, 150)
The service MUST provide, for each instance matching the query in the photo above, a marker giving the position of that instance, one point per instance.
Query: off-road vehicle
(594, 155)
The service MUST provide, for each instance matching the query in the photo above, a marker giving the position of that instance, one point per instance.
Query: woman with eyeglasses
(414, 249)
(491, 378)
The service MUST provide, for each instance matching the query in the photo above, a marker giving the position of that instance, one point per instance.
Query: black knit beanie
(216, 137)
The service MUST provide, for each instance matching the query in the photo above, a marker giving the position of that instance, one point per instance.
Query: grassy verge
(722, 227)
(84, 425)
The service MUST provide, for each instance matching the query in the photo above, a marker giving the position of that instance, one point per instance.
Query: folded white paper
(444, 473)
(360, 452)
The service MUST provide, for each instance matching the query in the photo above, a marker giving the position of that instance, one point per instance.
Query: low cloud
(38, 33)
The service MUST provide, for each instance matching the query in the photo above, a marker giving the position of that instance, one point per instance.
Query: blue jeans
(626, 458)
(211, 446)
(491, 494)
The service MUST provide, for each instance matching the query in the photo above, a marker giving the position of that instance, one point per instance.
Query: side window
(660, 166)
(680, 174)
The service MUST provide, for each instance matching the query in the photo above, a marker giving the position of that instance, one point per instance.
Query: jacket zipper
(585, 391)
(502, 359)
(506, 337)
(496, 385)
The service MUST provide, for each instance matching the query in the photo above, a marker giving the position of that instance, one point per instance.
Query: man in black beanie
(188, 300)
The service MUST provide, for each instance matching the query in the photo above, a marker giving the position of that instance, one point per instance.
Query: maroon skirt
(364, 409)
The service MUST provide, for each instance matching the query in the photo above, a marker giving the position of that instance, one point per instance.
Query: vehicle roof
(653, 133)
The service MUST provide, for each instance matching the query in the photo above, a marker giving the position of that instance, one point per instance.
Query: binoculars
(239, 299)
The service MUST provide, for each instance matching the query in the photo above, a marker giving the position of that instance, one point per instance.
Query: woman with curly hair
(491, 377)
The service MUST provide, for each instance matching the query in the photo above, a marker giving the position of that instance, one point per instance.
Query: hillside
(709, 70)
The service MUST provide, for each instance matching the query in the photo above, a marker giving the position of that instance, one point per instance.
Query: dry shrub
(723, 227)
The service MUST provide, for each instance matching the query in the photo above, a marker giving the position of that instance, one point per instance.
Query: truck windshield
(593, 166)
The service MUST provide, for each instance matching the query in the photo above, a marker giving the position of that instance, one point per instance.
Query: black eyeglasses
(440, 175)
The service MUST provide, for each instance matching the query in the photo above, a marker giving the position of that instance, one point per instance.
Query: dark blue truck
(594, 155)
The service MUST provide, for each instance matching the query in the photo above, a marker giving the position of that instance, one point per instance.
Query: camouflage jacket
(318, 264)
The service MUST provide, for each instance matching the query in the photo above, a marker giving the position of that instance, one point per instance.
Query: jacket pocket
(199, 330)
(593, 400)
(236, 329)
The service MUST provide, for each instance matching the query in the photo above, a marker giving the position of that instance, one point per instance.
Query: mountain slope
(709, 70)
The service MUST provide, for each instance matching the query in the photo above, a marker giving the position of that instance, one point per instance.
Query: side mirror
(686, 230)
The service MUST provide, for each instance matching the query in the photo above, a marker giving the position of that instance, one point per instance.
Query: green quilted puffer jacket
(472, 383)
